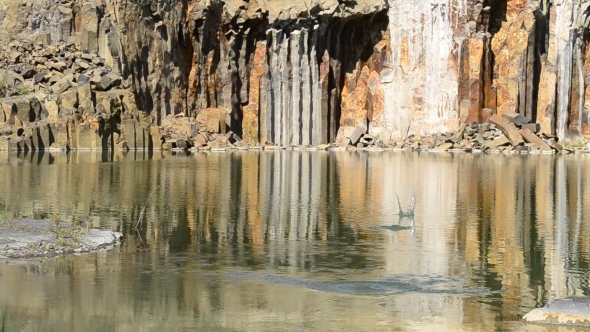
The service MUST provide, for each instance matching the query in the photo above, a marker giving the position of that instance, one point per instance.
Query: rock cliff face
(295, 72)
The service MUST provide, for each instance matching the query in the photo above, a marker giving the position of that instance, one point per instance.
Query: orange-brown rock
(508, 128)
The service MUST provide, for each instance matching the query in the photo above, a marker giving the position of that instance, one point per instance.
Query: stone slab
(508, 128)
(573, 310)
(535, 140)
(516, 118)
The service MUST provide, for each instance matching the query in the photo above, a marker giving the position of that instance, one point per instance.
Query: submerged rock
(573, 310)
(28, 238)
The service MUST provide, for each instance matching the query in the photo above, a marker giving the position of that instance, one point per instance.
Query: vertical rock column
(296, 84)
(565, 38)
(307, 85)
(423, 43)
(90, 22)
(585, 107)
(556, 70)
(292, 115)
(252, 111)
(317, 117)
(512, 60)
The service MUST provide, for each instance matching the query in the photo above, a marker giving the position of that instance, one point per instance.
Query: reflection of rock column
(323, 177)
(265, 188)
(275, 178)
(292, 191)
(307, 203)
(314, 199)
(251, 197)
(574, 184)
(282, 169)
(559, 253)
(506, 247)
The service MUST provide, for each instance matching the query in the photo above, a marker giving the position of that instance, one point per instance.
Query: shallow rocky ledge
(572, 311)
(28, 238)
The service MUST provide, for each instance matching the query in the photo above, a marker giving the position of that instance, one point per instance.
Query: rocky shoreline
(509, 133)
(28, 238)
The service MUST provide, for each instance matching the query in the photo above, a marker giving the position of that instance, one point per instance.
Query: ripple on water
(386, 286)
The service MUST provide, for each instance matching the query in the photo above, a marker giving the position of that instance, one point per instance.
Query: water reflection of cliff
(516, 227)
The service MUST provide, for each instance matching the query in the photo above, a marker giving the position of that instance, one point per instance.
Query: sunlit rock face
(422, 82)
(461, 61)
(294, 72)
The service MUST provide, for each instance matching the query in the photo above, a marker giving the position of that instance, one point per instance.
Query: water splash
(409, 210)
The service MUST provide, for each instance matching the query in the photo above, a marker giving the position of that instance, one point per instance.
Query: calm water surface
(294, 241)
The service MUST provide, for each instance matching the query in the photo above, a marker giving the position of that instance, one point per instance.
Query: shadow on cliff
(206, 60)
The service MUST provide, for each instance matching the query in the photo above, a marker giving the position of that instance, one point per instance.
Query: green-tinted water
(294, 241)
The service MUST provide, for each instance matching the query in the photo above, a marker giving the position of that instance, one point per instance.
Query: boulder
(176, 143)
(28, 72)
(508, 128)
(68, 99)
(204, 123)
(573, 311)
(344, 142)
(217, 145)
(14, 56)
(38, 78)
(58, 65)
(536, 141)
(498, 141)
(22, 110)
(83, 79)
(95, 79)
(355, 134)
(61, 85)
(533, 127)
(85, 103)
(104, 84)
(213, 125)
(52, 108)
(109, 100)
(115, 79)
(516, 118)
(83, 65)
(444, 146)
(554, 145)
(385, 136)
(200, 140)
(98, 61)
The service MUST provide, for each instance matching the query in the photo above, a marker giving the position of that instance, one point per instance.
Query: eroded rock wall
(295, 72)
(535, 55)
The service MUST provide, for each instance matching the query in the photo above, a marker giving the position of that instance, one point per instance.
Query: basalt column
(292, 114)
(539, 62)
(304, 81)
